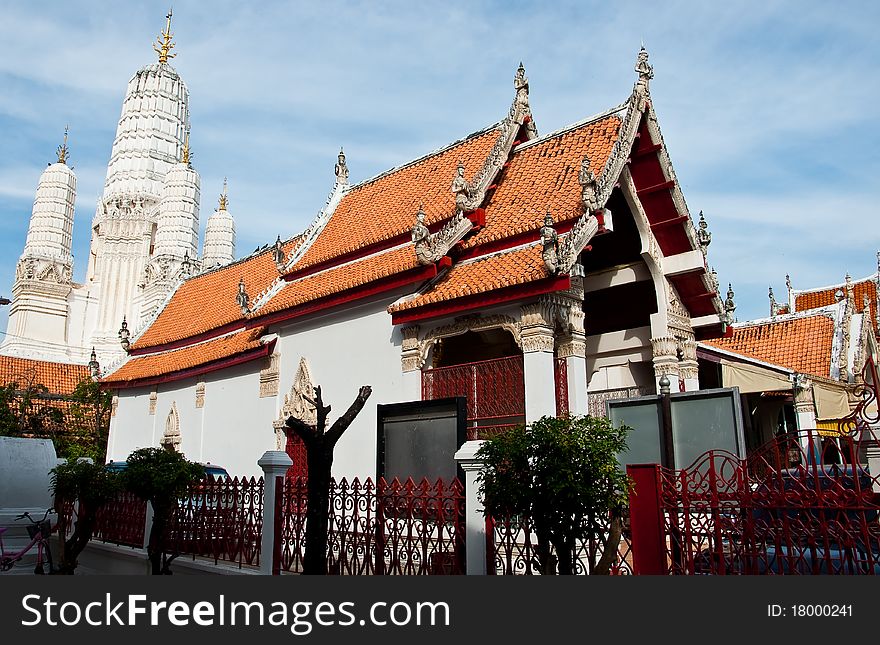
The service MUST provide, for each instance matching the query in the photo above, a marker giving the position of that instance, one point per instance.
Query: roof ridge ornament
(163, 45)
(242, 297)
(587, 180)
(774, 306)
(644, 70)
(729, 304)
(63, 151)
(278, 254)
(341, 169)
(704, 237)
(521, 101)
(124, 335)
(94, 366)
(550, 244)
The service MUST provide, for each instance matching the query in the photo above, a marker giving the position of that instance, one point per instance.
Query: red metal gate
(494, 389)
(782, 511)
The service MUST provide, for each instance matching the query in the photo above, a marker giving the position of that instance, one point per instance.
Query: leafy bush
(563, 474)
(87, 487)
(160, 477)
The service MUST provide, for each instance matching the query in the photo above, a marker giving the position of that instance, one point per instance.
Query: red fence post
(646, 520)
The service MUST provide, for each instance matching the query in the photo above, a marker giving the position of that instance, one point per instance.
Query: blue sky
(764, 106)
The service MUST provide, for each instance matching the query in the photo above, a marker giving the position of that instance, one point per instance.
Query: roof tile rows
(482, 275)
(176, 360)
(545, 175)
(539, 175)
(208, 301)
(380, 209)
(802, 344)
(806, 300)
(58, 378)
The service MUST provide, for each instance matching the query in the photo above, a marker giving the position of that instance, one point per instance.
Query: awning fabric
(753, 378)
(831, 402)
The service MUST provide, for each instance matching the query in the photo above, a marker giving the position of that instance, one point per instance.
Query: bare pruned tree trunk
(319, 456)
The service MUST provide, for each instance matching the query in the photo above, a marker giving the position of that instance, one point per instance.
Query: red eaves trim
(388, 283)
(477, 300)
(235, 325)
(213, 366)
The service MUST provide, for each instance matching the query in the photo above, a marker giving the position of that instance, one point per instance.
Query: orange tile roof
(541, 174)
(484, 274)
(545, 174)
(342, 278)
(806, 300)
(207, 301)
(58, 378)
(150, 365)
(802, 344)
(384, 207)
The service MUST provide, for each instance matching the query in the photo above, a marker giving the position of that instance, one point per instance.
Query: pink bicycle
(39, 532)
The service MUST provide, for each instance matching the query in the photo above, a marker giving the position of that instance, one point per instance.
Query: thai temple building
(144, 238)
(531, 273)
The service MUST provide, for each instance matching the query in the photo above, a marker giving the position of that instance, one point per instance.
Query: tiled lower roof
(799, 343)
(139, 368)
(488, 273)
(58, 378)
(208, 301)
(342, 278)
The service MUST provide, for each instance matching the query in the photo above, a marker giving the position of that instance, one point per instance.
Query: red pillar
(646, 520)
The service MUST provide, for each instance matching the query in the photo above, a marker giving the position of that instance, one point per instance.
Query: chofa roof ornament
(341, 169)
(644, 70)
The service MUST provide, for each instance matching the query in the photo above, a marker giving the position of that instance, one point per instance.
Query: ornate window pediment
(297, 403)
(171, 436)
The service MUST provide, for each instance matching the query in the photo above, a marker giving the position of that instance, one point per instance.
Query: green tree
(87, 423)
(563, 474)
(160, 477)
(86, 487)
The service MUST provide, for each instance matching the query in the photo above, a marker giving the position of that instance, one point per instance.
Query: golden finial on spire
(63, 152)
(184, 157)
(163, 44)
(223, 198)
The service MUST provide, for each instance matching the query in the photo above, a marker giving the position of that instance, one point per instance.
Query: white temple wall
(344, 351)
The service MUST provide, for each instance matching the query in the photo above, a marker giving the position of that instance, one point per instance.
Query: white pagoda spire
(38, 313)
(177, 226)
(219, 247)
(149, 143)
(177, 235)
